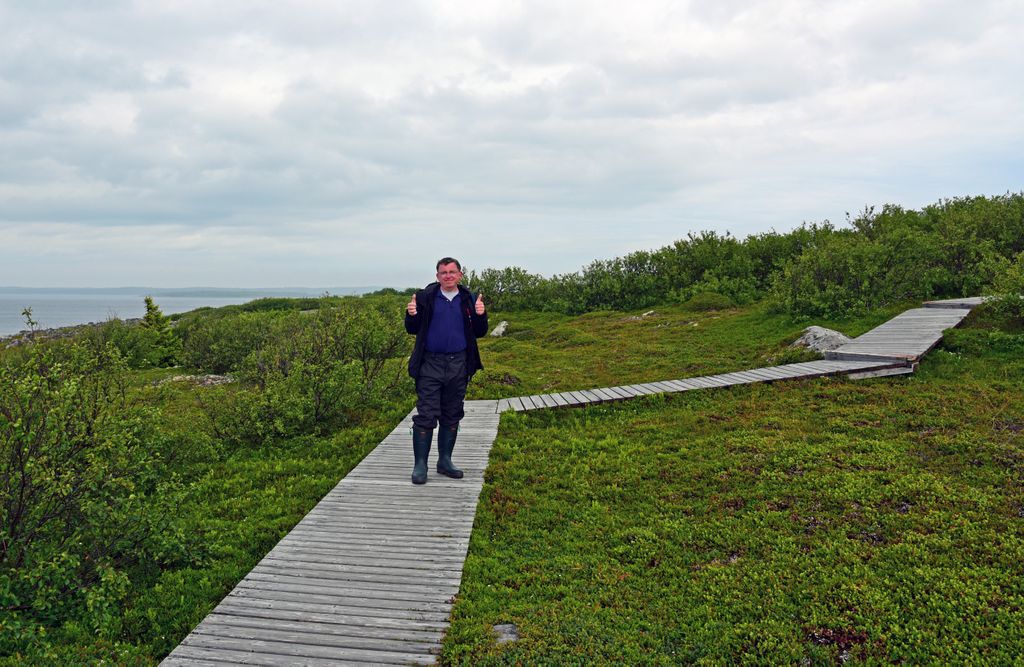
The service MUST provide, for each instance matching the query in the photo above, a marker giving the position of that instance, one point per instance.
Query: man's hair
(447, 260)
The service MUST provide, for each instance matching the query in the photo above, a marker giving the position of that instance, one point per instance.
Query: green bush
(314, 372)
(150, 343)
(953, 248)
(218, 343)
(84, 492)
(1009, 291)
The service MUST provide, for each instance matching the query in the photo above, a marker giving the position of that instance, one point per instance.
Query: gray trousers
(440, 390)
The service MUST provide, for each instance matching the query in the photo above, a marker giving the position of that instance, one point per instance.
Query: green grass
(824, 520)
(546, 352)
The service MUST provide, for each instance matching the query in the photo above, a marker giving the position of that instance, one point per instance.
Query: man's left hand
(480, 304)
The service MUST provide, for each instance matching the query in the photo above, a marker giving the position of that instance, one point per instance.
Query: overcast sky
(245, 143)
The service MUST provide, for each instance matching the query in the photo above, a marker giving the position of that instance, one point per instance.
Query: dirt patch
(844, 640)
(1008, 425)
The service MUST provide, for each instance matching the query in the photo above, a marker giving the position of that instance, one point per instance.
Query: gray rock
(500, 330)
(506, 632)
(634, 318)
(201, 380)
(820, 339)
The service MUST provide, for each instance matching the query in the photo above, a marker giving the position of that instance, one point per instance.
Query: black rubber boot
(445, 445)
(421, 438)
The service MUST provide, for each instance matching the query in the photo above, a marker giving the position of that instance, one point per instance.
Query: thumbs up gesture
(480, 303)
(411, 306)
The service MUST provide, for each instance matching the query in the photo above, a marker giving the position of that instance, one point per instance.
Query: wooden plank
(325, 624)
(722, 380)
(760, 373)
(340, 605)
(569, 399)
(882, 372)
(547, 401)
(199, 655)
(559, 399)
(581, 399)
(774, 373)
(266, 649)
(296, 611)
(620, 393)
(605, 394)
(354, 572)
(310, 633)
(594, 398)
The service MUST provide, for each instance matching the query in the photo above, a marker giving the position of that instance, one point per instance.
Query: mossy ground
(823, 520)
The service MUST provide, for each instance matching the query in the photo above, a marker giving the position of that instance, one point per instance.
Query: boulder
(820, 339)
(500, 330)
(505, 633)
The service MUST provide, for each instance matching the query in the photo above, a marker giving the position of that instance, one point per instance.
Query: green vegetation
(130, 503)
(823, 520)
(957, 247)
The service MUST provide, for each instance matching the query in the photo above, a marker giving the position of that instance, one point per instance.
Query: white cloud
(299, 141)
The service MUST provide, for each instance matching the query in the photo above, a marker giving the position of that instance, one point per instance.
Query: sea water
(59, 309)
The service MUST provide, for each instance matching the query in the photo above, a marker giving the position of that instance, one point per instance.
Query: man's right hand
(411, 306)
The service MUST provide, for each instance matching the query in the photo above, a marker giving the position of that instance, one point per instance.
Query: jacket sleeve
(480, 325)
(479, 321)
(412, 322)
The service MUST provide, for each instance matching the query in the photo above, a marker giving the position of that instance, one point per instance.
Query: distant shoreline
(198, 291)
(62, 308)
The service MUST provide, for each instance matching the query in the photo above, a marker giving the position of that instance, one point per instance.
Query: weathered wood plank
(621, 392)
(559, 400)
(549, 400)
(267, 650)
(311, 633)
(579, 398)
(296, 611)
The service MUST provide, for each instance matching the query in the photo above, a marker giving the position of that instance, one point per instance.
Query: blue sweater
(446, 333)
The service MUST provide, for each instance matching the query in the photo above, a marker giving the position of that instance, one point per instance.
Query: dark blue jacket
(419, 324)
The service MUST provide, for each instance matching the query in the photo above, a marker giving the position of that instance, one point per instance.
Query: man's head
(449, 273)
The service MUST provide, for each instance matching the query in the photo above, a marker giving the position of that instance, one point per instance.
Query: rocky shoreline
(26, 336)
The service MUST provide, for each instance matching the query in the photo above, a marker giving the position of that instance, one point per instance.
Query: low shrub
(705, 301)
(1009, 291)
(314, 372)
(84, 492)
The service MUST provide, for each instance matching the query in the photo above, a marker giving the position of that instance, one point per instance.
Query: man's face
(449, 276)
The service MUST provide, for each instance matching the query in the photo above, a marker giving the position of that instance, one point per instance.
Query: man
(446, 320)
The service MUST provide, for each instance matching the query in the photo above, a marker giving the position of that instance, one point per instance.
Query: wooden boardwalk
(370, 574)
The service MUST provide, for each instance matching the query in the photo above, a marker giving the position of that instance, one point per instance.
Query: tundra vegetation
(823, 520)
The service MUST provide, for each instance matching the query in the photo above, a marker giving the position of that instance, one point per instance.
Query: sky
(329, 143)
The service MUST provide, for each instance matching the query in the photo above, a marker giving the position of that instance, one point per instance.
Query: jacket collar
(434, 288)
